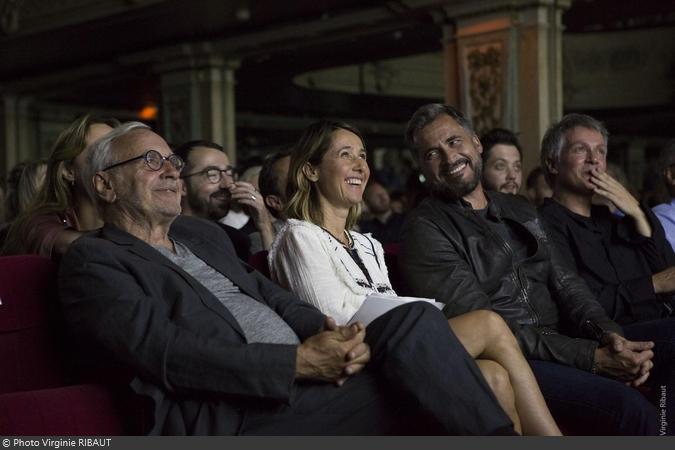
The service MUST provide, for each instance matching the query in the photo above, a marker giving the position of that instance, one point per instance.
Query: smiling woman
(342, 272)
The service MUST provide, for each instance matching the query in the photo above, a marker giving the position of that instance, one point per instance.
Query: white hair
(100, 154)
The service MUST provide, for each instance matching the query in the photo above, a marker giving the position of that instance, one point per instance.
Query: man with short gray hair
(624, 258)
(222, 350)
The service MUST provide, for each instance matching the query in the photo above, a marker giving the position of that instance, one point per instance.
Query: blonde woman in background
(61, 211)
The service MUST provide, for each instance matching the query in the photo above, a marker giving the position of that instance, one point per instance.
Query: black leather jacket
(449, 253)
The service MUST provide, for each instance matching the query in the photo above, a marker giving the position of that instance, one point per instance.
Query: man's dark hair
(427, 114)
(497, 136)
(185, 149)
(269, 178)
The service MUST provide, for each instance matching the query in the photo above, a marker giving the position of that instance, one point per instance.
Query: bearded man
(471, 249)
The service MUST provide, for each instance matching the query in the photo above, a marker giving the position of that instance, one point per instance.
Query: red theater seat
(81, 410)
(37, 391)
(259, 262)
(391, 252)
(29, 326)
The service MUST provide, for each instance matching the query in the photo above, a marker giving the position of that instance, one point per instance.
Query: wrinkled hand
(625, 360)
(664, 281)
(615, 192)
(333, 355)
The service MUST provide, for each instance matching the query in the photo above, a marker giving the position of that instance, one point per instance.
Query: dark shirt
(388, 232)
(240, 240)
(616, 262)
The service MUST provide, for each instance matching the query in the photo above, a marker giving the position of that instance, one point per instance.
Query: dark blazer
(126, 303)
(449, 253)
(616, 262)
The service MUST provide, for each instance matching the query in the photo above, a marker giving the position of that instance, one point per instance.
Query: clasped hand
(625, 360)
(334, 354)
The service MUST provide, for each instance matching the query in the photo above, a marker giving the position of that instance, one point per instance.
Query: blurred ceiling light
(148, 112)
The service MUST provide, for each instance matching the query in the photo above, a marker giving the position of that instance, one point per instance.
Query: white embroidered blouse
(309, 261)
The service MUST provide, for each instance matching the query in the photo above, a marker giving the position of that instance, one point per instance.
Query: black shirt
(616, 262)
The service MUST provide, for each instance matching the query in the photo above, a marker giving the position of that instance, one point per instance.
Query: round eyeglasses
(214, 174)
(154, 160)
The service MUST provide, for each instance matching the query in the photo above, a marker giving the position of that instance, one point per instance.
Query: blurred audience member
(11, 194)
(665, 212)
(502, 161)
(10, 205)
(62, 210)
(207, 178)
(537, 187)
(272, 180)
(252, 175)
(3, 189)
(384, 224)
(31, 181)
(248, 212)
(398, 201)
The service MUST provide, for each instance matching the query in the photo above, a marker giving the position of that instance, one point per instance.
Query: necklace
(350, 242)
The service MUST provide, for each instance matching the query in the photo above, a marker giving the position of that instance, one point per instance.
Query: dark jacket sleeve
(103, 302)
(441, 273)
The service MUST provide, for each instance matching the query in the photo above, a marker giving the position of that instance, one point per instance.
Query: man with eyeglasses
(221, 349)
(208, 182)
(210, 187)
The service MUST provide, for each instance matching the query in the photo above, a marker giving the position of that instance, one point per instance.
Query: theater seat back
(80, 410)
(30, 344)
(391, 252)
(259, 262)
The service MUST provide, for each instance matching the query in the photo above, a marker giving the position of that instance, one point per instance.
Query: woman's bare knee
(496, 376)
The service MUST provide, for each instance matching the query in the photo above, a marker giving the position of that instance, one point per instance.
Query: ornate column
(509, 61)
(198, 100)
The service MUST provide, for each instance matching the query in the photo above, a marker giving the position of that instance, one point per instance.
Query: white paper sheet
(376, 304)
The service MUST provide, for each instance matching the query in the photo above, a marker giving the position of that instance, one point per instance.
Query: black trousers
(661, 382)
(587, 404)
(420, 380)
